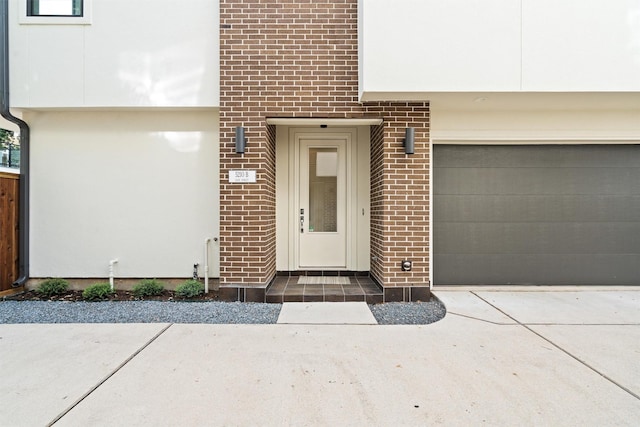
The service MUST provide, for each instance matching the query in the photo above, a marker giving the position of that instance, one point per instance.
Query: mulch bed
(119, 295)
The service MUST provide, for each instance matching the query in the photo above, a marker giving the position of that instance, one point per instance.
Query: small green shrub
(190, 289)
(148, 288)
(51, 287)
(97, 291)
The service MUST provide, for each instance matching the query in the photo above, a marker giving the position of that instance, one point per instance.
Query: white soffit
(288, 121)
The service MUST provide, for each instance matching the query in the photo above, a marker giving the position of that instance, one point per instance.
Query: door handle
(301, 220)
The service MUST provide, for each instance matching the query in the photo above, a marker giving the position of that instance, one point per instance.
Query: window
(56, 12)
(55, 8)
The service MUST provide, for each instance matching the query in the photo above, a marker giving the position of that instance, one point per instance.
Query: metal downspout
(23, 221)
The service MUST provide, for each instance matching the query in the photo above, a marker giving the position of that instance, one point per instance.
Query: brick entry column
(400, 201)
(247, 211)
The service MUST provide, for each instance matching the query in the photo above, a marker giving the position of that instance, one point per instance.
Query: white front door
(322, 208)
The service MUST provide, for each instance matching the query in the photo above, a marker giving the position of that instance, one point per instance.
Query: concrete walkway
(326, 313)
(498, 358)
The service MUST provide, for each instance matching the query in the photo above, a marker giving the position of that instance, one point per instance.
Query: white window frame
(85, 19)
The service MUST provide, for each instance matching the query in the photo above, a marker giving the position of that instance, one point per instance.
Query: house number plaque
(242, 176)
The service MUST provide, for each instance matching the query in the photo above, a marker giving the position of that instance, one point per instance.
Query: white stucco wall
(580, 45)
(141, 187)
(419, 45)
(142, 53)
(410, 47)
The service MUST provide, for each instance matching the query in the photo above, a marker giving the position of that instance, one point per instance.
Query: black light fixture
(409, 140)
(241, 140)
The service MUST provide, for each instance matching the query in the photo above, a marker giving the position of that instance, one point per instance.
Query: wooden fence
(9, 189)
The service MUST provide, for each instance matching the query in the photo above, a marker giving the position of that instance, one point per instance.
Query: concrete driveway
(497, 358)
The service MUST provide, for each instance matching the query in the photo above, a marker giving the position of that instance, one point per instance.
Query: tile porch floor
(287, 289)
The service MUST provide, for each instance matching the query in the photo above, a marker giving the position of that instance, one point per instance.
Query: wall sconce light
(241, 140)
(409, 140)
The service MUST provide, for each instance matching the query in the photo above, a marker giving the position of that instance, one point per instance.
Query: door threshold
(349, 273)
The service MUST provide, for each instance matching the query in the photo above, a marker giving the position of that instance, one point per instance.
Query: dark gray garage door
(548, 215)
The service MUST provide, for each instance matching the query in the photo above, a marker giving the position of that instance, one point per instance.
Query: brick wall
(299, 58)
(400, 195)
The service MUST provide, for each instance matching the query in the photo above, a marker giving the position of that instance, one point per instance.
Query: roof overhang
(295, 121)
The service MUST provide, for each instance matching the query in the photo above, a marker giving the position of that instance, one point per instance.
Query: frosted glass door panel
(323, 190)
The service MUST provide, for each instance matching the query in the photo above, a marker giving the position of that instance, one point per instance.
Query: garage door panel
(537, 214)
(616, 156)
(536, 181)
(537, 238)
(537, 269)
(534, 208)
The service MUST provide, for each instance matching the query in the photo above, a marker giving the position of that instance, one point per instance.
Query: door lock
(301, 220)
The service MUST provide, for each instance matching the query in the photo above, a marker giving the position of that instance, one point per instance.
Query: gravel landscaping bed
(408, 313)
(192, 312)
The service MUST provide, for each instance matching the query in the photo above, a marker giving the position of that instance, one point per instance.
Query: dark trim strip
(23, 223)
